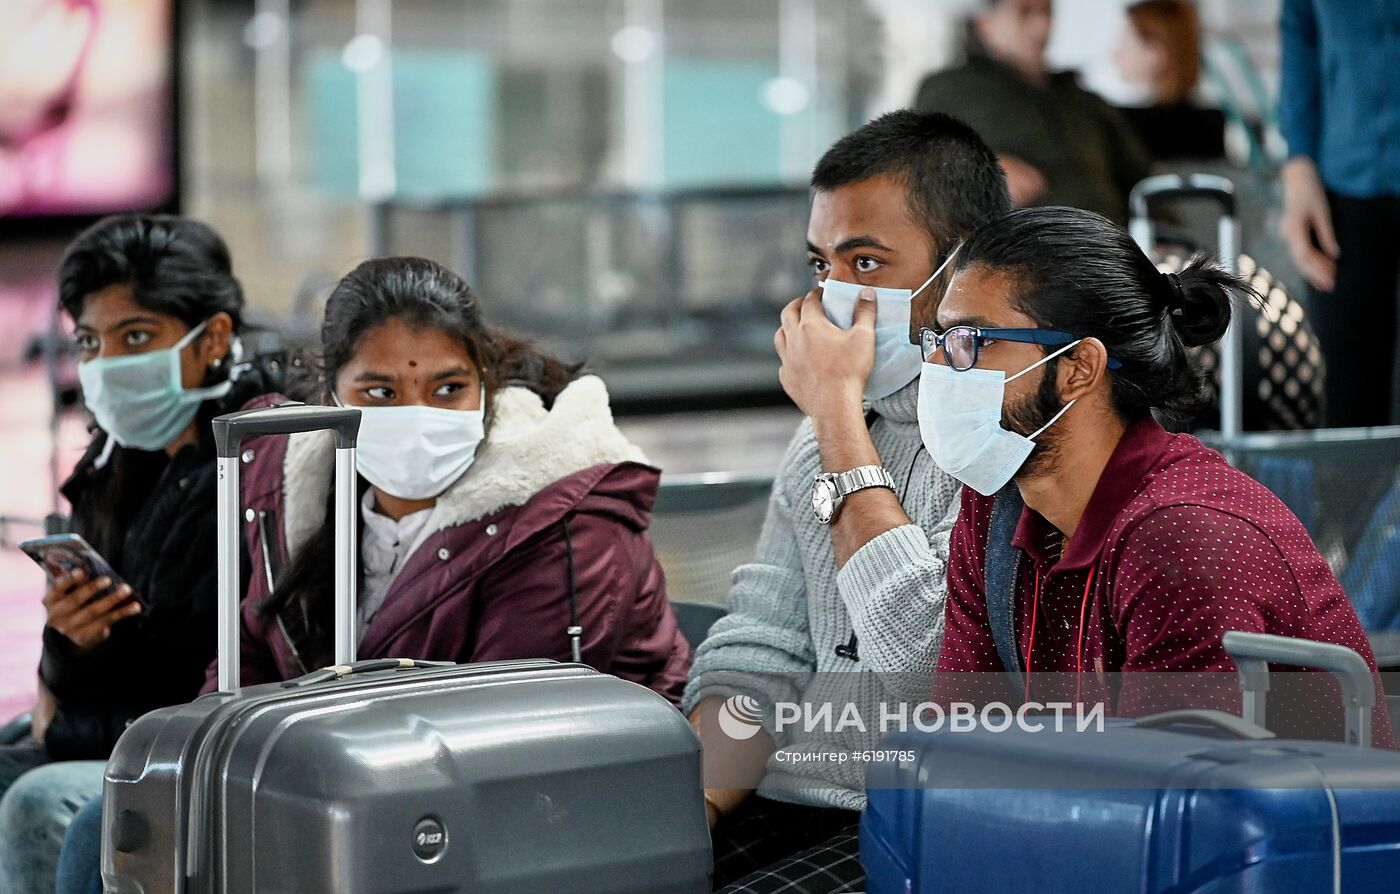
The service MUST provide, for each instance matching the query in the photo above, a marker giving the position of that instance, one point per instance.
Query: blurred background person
(1058, 143)
(1340, 113)
(1160, 57)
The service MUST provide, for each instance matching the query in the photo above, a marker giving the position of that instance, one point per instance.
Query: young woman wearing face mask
(156, 310)
(503, 515)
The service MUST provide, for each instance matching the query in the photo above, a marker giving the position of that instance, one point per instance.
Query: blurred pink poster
(86, 98)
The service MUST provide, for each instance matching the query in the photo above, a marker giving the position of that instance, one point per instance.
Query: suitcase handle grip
(1222, 192)
(231, 429)
(1253, 652)
(369, 665)
(1236, 726)
(1206, 186)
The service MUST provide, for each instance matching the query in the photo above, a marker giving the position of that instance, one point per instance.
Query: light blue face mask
(139, 399)
(897, 359)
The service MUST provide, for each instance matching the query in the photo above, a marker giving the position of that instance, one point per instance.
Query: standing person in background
(1160, 55)
(1058, 143)
(1340, 113)
(157, 311)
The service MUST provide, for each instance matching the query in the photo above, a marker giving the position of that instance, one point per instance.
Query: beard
(1029, 414)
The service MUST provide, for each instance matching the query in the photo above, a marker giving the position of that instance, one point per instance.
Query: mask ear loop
(1044, 360)
(106, 454)
(946, 261)
(1053, 419)
(1063, 410)
(191, 336)
(218, 390)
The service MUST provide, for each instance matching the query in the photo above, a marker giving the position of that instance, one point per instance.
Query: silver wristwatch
(830, 489)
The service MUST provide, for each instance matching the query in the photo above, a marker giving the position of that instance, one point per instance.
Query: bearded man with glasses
(1092, 542)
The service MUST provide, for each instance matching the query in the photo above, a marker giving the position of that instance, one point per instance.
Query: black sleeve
(82, 734)
(175, 641)
(1132, 161)
(155, 659)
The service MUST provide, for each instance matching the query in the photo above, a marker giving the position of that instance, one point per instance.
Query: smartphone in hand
(65, 553)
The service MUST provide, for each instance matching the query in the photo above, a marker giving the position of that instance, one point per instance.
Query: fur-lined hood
(527, 448)
(546, 531)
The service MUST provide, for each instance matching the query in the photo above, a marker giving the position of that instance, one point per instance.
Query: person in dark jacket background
(157, 312)
(503, 513)
(1160, 54)
(1058, 143)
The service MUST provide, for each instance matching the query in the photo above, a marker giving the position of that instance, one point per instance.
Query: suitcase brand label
(429, 839)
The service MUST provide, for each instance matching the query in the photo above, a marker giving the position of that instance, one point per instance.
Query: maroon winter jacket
(491, 579)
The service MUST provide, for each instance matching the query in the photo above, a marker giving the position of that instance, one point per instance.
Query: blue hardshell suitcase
(1189, 802)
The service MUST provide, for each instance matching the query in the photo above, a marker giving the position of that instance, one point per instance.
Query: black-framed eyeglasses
(962, 344)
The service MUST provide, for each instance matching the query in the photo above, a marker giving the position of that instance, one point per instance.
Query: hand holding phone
(85, 596)
(85, 610)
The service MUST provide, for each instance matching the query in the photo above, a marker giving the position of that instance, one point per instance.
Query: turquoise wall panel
(445, 124)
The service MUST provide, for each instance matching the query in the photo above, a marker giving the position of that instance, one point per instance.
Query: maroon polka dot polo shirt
(1182, 547)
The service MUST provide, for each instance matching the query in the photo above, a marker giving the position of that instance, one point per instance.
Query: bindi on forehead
(412, 363)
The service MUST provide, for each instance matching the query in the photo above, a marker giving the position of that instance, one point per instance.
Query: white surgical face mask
(140, 400)
(960, 422)
(415, 452)
(897, 360)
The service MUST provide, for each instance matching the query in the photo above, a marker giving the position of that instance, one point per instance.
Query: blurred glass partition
(443, 124)
(492, 95)
(1344, 485)
(670, 295)
(625, 178)
(705, 526)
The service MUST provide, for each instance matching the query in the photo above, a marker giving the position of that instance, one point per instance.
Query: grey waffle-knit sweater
(789, 609)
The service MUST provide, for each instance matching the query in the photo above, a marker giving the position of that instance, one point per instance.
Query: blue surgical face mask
(897, 359)
(140, 399)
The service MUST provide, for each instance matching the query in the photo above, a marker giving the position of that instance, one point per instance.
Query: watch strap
(860, 478)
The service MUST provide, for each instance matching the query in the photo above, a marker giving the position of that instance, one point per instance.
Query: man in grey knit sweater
(843, 602)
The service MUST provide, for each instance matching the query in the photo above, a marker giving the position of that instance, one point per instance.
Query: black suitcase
(397, 776)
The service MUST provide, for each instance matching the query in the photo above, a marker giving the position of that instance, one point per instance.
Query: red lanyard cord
(1030, 644)
(1079, 638)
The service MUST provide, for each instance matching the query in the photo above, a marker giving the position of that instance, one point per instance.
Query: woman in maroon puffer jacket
(503, 514)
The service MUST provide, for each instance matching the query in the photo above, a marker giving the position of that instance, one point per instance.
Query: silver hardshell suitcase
(392, 776)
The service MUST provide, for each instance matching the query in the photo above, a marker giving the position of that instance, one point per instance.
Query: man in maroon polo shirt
(1098, 541)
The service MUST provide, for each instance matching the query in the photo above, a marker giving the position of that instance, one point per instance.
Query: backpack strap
(1003, 561)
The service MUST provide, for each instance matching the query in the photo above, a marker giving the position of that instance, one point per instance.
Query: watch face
(823, 500)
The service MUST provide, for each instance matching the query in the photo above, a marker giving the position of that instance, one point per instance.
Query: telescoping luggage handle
(229, 433)
(1221, 191)
(1254, 651)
